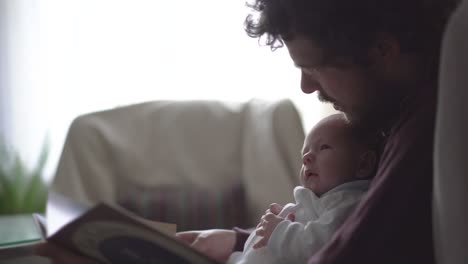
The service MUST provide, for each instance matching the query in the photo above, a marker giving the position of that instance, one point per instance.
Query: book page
(167, 228)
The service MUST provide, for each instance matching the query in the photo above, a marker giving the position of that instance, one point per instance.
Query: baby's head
(334, 153)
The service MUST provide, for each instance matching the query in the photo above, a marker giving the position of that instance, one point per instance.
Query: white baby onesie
(316, 220)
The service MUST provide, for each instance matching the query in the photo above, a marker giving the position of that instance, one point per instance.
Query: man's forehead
(304, 52)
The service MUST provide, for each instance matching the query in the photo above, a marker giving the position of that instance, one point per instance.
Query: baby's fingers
(260, 231)
(261, 243)
(291, 217)
(275, 208)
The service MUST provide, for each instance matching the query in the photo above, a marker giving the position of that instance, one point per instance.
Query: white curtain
(69, 57)
(5, 107)
(23, 102)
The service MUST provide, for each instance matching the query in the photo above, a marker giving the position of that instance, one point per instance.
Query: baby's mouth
(310, 174)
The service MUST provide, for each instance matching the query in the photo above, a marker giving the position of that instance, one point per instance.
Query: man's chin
(353, 118)
(370, 120)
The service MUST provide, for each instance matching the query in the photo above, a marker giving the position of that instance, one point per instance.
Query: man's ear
(366, 165)
(385, 50)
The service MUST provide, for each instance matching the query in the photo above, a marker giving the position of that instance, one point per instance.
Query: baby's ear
(366, 165)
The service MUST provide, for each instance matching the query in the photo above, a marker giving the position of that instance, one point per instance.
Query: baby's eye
(324, 146)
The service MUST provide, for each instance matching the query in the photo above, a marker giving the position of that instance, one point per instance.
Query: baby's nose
(307, 159)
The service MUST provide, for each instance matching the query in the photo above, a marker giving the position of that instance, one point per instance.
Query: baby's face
(330, 156)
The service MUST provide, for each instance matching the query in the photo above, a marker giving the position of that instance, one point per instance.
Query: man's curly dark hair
(348, 28)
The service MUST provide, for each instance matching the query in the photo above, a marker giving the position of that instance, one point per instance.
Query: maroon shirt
(393, 223)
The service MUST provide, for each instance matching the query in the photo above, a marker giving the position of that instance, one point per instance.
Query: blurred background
(63, 58)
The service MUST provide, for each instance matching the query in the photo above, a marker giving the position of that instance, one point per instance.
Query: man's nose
(309, 84)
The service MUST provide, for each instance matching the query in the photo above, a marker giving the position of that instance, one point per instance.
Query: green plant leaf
(42, 158)
(6, 192)
(7, 180)
(36, 194)
(20, 181)
(21, 190)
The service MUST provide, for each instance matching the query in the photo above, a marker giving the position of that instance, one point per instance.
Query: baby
(338, 163)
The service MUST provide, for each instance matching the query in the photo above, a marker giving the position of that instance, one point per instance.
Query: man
(377, 62)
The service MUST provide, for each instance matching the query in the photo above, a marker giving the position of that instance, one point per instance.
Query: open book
(110, 234)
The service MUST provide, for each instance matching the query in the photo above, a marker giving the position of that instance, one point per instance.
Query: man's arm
(216, 243)
(241, 237)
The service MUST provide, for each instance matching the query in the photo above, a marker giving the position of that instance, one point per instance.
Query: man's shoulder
(417, 117)
(413, 131)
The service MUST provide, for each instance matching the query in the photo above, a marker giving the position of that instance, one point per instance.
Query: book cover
(111, 234)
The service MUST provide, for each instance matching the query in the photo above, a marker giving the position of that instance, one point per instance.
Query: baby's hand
(274, 209)
(267, 224)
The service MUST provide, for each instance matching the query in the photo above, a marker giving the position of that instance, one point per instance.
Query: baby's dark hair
(371, 139)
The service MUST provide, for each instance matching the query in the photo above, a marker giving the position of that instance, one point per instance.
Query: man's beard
(376, 117)
(378, 110)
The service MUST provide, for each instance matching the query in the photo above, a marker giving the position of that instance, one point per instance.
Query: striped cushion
(191, 208)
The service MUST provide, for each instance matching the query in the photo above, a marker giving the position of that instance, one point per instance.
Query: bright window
(69, 57)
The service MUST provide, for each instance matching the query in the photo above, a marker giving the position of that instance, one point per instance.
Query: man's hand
(268, 223)
(60, 255)
(216, 243)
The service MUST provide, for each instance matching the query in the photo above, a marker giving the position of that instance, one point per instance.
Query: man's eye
(310, 70)
(325, 146)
